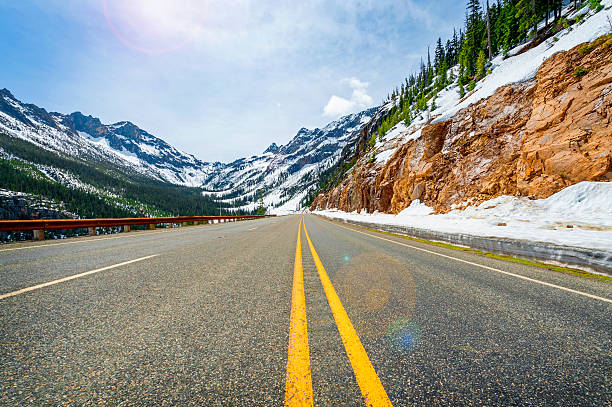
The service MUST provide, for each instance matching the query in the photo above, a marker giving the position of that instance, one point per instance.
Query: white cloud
(338, 106)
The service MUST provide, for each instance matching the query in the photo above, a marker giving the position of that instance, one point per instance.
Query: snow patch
(585, 207)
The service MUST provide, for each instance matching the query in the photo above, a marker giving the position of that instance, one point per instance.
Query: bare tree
(535, 19)
(489, 32)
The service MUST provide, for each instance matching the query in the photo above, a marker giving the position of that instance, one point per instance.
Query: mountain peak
(7, 93)
(273, 148)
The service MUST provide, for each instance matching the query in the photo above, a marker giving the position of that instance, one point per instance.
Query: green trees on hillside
(491, 27)
(158, 197)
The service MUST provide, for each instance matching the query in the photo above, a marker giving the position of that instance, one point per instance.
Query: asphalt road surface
(247, 314)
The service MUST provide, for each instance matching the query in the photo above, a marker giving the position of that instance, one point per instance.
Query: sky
(220, 79)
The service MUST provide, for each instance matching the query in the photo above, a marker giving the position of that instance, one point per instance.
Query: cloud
(338, 106)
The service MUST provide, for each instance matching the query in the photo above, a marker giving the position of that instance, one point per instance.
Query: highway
(272, 311)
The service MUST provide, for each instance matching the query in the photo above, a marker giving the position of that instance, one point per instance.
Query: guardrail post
(151, 226)
(126, 228)
(91, 231)
(39, 235)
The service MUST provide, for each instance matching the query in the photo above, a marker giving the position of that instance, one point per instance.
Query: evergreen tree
(473, 36)
(509, 26)
(525, 14)
(439, 56)
(261, 209)
(490, 48)
(481, 65)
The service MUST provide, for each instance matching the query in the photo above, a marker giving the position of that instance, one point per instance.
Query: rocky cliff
(532, 139)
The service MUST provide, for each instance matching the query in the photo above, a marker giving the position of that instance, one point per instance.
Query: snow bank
(586, 207)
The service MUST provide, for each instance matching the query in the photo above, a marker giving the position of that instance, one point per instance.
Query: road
(238, 314)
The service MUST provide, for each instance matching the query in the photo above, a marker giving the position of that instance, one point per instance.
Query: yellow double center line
(298, 386)
(298, 389)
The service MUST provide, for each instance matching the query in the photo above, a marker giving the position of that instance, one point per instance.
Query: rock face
(528, 139)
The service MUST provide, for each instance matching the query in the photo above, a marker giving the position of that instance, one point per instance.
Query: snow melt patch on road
(585, 206)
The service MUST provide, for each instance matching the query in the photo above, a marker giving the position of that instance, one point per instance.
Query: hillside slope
(529, 138)
(284, 175)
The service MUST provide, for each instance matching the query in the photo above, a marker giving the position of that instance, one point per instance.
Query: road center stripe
(533, 280)
(371, 388)
(298, 386)
(61, 280)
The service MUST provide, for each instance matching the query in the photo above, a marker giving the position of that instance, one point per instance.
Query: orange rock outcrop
(528, 139)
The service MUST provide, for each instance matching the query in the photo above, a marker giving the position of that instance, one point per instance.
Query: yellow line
(61, 280)
(298, 386)
(371, 388)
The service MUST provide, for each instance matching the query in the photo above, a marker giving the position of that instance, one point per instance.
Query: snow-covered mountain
(282, 174)
(122, 144)
(285, 174)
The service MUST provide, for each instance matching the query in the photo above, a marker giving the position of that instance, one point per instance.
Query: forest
(127, 194)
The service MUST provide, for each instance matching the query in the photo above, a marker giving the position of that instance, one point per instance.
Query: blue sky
(220, 79)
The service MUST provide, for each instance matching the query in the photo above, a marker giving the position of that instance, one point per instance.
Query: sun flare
(155, 26)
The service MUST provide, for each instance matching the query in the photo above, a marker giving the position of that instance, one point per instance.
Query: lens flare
(155, 26)
(376, 289)
(403, 335)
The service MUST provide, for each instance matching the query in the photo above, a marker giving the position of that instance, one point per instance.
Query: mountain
(122, 144)
(283, 175)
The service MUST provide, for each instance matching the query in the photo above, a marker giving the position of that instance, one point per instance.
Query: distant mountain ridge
(285, 174)
(123, 143)
(282, 174)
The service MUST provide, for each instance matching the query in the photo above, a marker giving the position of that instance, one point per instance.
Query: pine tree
(473, 35)
(481, 65)
(525, 13)
(509, 26)
(439, 55)
(261, 209)
(489, 32)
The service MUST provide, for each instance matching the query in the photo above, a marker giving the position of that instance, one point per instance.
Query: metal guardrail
(39, 226)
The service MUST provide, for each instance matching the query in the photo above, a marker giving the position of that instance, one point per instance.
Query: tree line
(490, 29)
(156, 197)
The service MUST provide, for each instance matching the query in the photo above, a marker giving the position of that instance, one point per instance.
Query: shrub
(580, 72)
(595, 5)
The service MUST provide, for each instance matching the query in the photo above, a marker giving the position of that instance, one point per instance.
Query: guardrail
(39, 226)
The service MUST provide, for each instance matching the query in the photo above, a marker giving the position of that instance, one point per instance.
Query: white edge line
(61, 280)
(484, 267)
